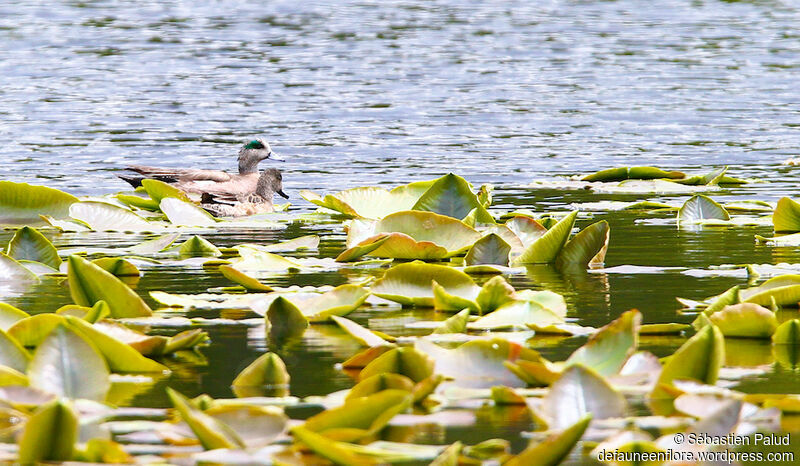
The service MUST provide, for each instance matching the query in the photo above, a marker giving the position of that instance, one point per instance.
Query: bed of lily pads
(446, 310)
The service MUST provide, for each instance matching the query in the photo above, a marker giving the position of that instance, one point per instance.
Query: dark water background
(357, 93)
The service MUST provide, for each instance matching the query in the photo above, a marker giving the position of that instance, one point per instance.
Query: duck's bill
(274, 156)
(283, 194)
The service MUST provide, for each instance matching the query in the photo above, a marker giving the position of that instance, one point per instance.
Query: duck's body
(220, 182)
(257, 201)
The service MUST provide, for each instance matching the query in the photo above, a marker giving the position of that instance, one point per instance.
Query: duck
(270, 182)
(217, 182)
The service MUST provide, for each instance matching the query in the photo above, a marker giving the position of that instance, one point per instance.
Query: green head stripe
(254, 144)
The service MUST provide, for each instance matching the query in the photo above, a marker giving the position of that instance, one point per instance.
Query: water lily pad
(22, 202)
(478, 363)
(368, 202)
(100, 216)
(12, 353)
(237, 276)
(456, 323)
(12, 271)
(700, 207)
(745, 320)
(420, 235)
(631, 173)
(786, 217)
(554, 449)
(410, 284)
(363, 335)
(119, 356)
(379, 382)
(579, 392)
(449, 195)
(545, 249)
(612, 345)
(184, 213)
(268, 370)
(784, 290)
(67, 365)
(138, 202)
(787, 333)
(199, 246)
(491, 249)
(158, 190)
(404, 361)
(89, 284)
(117, 266)
(50, 434)
(285, 319)
(335, 452)
(29, 244)
(700, 359)
(518, 313)
(587, 248)
(9, 315)
(211, 433)
(360, 417)
(32, 330)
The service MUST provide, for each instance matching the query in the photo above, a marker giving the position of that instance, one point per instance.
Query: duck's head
(270, 181)
(252, 153)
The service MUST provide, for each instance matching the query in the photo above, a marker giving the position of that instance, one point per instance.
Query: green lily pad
(491, 249)
(420, 235)
(237, 276)
(545, 249)
(364, 336)
(211, 433)
(12, 271)
(784, 290)
(12, 353)
(100, 216)
(745, 320)
(410, 284)
(184, 213)
(517, 313)
(379, 382)
(554, 449)
(89, 284)
(29, 244)
(449, 195)
(199, 246)
(404, 361)
(786, 217)
(285, 319)
(700, 359)
(9, 315)
(117, 266)
(22, 202)
(50, 434)
(478, 363)
(608, 349)
(138, 202)
(119, 356)
(158, 190)
(268, 370)
(586, 248)
(67, 365)
(31, 331)
(456, 323)
(700, 207)
(360, 417)
(632, 173)
(579, 392)
(335, 452)
(787, 333)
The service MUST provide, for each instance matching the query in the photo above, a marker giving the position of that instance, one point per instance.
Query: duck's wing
(184, 175)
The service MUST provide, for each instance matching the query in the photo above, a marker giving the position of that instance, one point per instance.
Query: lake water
(365, 93)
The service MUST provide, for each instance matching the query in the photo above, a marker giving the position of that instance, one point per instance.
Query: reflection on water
(389, 92)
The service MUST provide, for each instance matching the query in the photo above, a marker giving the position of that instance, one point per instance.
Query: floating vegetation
(436, 248)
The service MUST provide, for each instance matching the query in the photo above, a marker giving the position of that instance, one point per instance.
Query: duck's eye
(254, 144)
